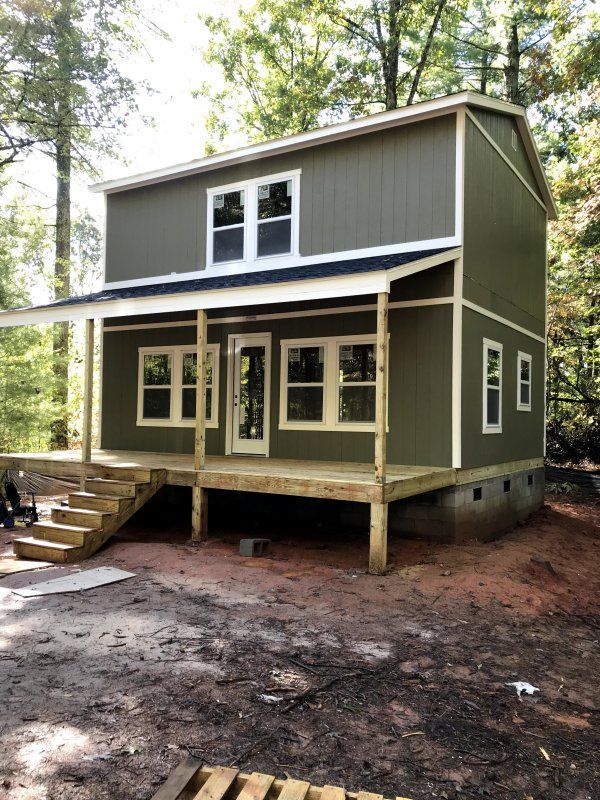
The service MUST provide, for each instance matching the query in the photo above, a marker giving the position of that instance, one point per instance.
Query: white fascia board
(285, 292)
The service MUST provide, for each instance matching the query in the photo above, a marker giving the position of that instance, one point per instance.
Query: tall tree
(66, 97)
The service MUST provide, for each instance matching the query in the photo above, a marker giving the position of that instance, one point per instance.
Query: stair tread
(97, 496)
(113, 481)
(45, 543)
(63, 526)
(91, 511)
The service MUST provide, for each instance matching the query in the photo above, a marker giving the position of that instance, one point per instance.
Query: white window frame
(251, 222)
(488, 345)
(175, 419)
(523, 358)
(331, 384)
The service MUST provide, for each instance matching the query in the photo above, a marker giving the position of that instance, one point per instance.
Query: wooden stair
(92, 517)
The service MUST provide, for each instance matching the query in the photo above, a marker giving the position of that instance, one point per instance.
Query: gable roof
(343, 130)
(192, 294)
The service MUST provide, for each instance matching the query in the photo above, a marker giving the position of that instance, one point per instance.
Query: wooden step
(97, 502)
(80, 516)
(112, 487)
(62, 533)
(136, 474)
(42, 550)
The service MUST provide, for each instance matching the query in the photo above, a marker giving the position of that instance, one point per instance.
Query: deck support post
(379, 511)
(199, 494)
(88, 395)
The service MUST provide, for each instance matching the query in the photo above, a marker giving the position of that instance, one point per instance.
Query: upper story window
(523, 382)
(492, 387)
(253, 220)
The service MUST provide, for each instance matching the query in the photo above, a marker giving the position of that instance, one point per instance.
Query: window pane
(228, 208)
(157, 403)
(157, 369)
(275, 199)
(525, 368)
(209, 368)
(525, 389)
(493, 368)
(305, 403)
(357, 404)
(357, 362)
(274, 238)
(189, 369)
(188, 403)
(305, 364)
(228, 245)
(493, 407)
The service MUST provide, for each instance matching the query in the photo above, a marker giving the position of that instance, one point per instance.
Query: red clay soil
(300, 663)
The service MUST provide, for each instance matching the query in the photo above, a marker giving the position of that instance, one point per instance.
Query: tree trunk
(62, 275)
(513, 66)
(425, 54)
(391, 55)
(485, 72)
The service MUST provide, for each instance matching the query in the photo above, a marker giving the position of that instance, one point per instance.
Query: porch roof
(343, 278)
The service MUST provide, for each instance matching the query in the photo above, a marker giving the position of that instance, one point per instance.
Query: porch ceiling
(343, 278)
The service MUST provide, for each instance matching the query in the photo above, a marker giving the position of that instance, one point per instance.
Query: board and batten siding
(419, 389)
(504, 253)
(383, 188)
(522, 434)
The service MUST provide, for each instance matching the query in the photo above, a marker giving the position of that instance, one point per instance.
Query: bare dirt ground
(300, 663)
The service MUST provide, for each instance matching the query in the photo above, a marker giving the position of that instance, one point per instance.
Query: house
(368, 301)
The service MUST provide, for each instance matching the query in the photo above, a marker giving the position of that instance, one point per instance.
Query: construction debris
(76, 582)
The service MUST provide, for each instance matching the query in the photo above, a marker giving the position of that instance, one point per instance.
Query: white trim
(457, 343)
(503, 321)
(505, 158)
(336, 132)
(488, 345)
(281, 262)
(175, 419)
(330, 384)
(404, 270)
(267, 338)
(316, 312)
(459, 166)
(250, 259)
(527, 359)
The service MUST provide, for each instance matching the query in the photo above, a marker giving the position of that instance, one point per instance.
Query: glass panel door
(250, 401)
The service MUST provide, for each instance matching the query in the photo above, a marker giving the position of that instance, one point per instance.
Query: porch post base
(378, 539)
(199, 514)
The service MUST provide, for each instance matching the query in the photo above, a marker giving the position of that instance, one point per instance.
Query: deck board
(321, 479)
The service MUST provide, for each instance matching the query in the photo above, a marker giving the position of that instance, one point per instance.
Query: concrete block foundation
(480, 510)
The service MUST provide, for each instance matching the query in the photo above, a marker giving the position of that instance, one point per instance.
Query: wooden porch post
(200, 495)
(379, 511)
(88, 394)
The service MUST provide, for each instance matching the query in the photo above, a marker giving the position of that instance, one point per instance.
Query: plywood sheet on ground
(9, 565)
(76, 582)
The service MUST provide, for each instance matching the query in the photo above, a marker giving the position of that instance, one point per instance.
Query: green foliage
(26, 408)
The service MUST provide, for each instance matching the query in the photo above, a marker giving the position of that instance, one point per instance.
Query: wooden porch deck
(320, 479)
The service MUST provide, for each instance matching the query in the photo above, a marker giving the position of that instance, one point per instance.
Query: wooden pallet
(191, 781)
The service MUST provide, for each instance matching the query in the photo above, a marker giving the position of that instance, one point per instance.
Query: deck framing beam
(200, 494)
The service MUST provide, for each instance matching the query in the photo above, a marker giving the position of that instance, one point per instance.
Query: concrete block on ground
(251, 548)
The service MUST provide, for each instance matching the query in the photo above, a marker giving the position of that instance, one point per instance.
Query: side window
(157, 373)
(228, 212)
(523, 382)
(305, 383)
(274, 218)
(492, 387)
(356, 382)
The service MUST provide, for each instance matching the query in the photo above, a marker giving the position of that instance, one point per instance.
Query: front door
(251, 387)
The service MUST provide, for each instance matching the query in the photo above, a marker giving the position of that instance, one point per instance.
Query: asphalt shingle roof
(307, 272)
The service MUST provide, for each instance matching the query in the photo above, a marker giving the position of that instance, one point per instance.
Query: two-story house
(368, 302)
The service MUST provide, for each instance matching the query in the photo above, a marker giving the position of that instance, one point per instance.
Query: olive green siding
(522, 431)
(500, 127)
(376, 189)
(504, 238)
(419, 388)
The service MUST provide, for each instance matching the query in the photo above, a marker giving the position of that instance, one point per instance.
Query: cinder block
(251, 548)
